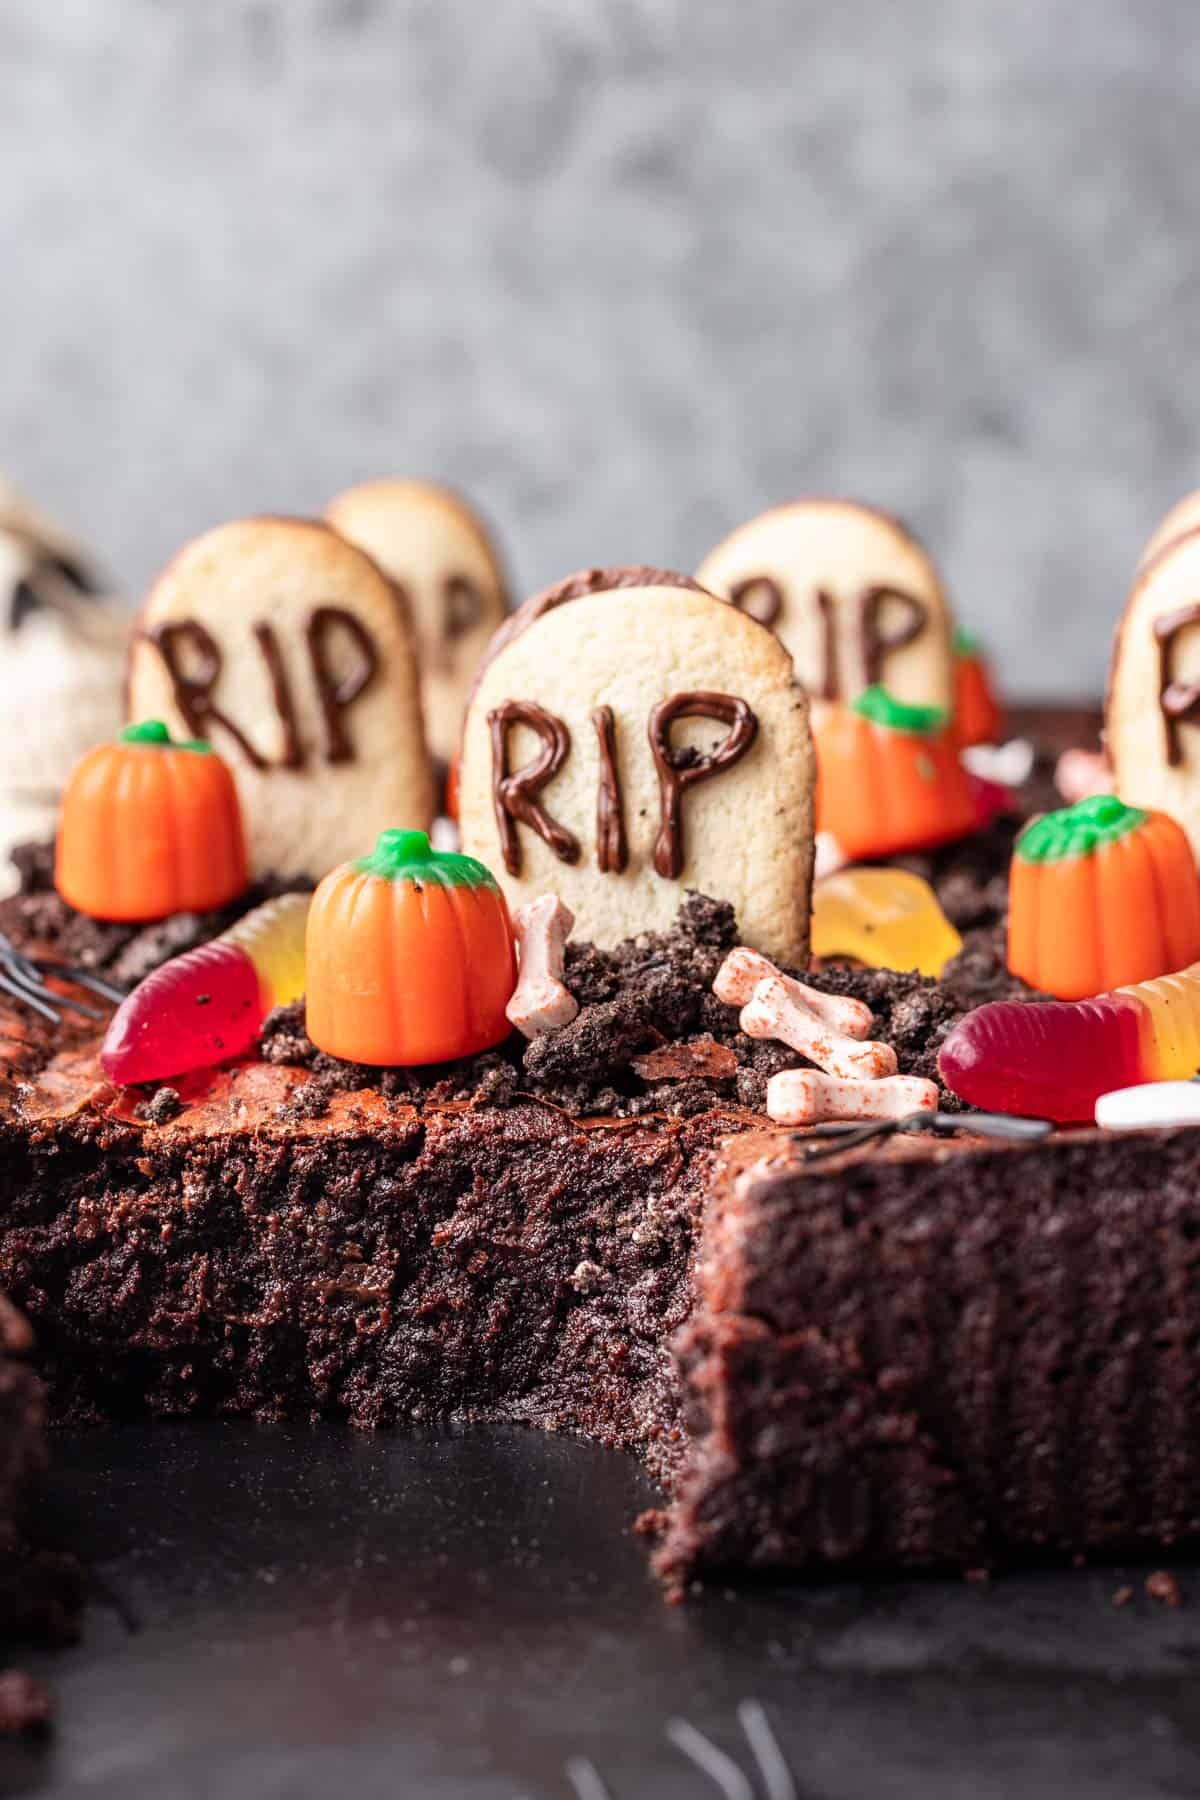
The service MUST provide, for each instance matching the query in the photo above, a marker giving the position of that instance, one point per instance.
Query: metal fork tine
(9, 986)
(17, 958)
(35, 988)
(95, 984)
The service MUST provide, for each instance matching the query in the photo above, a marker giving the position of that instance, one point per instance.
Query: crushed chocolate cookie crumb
(590, 974)
(162, 1106)
(497, 1085)
(34, 863)
(125, 953)
(307, 1100)
(650, 1035)
(284, 1039)
(980, 971)
(970, 877)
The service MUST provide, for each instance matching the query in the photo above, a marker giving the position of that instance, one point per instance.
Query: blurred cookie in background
(438, 552)
(64, 641)
(1183, 517)
(852, 594)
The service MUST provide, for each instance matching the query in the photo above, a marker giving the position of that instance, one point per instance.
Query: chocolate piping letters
(875, 643)
(512, 794)
(281, 693)
(1178, 702)
(673, 781)
(745, 596)
(193, 693)
(462, 609)
(612, 846)
(463, 606)
(829, 665)
(335, 694)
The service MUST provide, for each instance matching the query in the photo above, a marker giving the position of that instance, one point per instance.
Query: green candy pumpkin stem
(882, 708)
(401, 855)
(1078, 830)
(154, 732)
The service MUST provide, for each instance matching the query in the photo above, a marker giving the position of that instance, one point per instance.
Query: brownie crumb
(26, 1705)
(1163, 1587)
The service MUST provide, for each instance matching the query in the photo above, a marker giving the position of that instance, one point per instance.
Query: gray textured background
(626, 270)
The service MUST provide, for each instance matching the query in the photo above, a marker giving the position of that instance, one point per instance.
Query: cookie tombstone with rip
(631, 737)
(1152, 719)
(286, 646)
(851, 592)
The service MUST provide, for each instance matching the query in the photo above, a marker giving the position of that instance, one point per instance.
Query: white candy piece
(829, 856)
(804, 1097)
(541, 1002)
(444, 834)
(1010, 764)
(1078, 774)
(743, 969)
(1150, 1103)
(772, 1012)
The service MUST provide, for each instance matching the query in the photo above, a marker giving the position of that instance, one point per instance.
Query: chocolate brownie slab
(933, 1354)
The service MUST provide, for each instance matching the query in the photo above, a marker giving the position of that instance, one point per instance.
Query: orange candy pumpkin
(889, 777)
(1101, 895)
(148, 828)
(410, 956)
(450, 799)
(977, 715)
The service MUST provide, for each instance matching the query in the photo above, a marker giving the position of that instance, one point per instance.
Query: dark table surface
(310, 1612)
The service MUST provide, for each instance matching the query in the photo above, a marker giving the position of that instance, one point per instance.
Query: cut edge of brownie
(378, 1263)
(890, 1364)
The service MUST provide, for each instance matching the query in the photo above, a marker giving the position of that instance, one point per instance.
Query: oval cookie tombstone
(438, 553)
(1183, 517)
(1152, 718)
(852, 594)
(288, 648)
(630, 737)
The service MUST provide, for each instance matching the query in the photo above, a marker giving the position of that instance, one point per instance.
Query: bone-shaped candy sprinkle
(541, 1002)
(743, 969)
(805, 1097)
(771, 1012)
